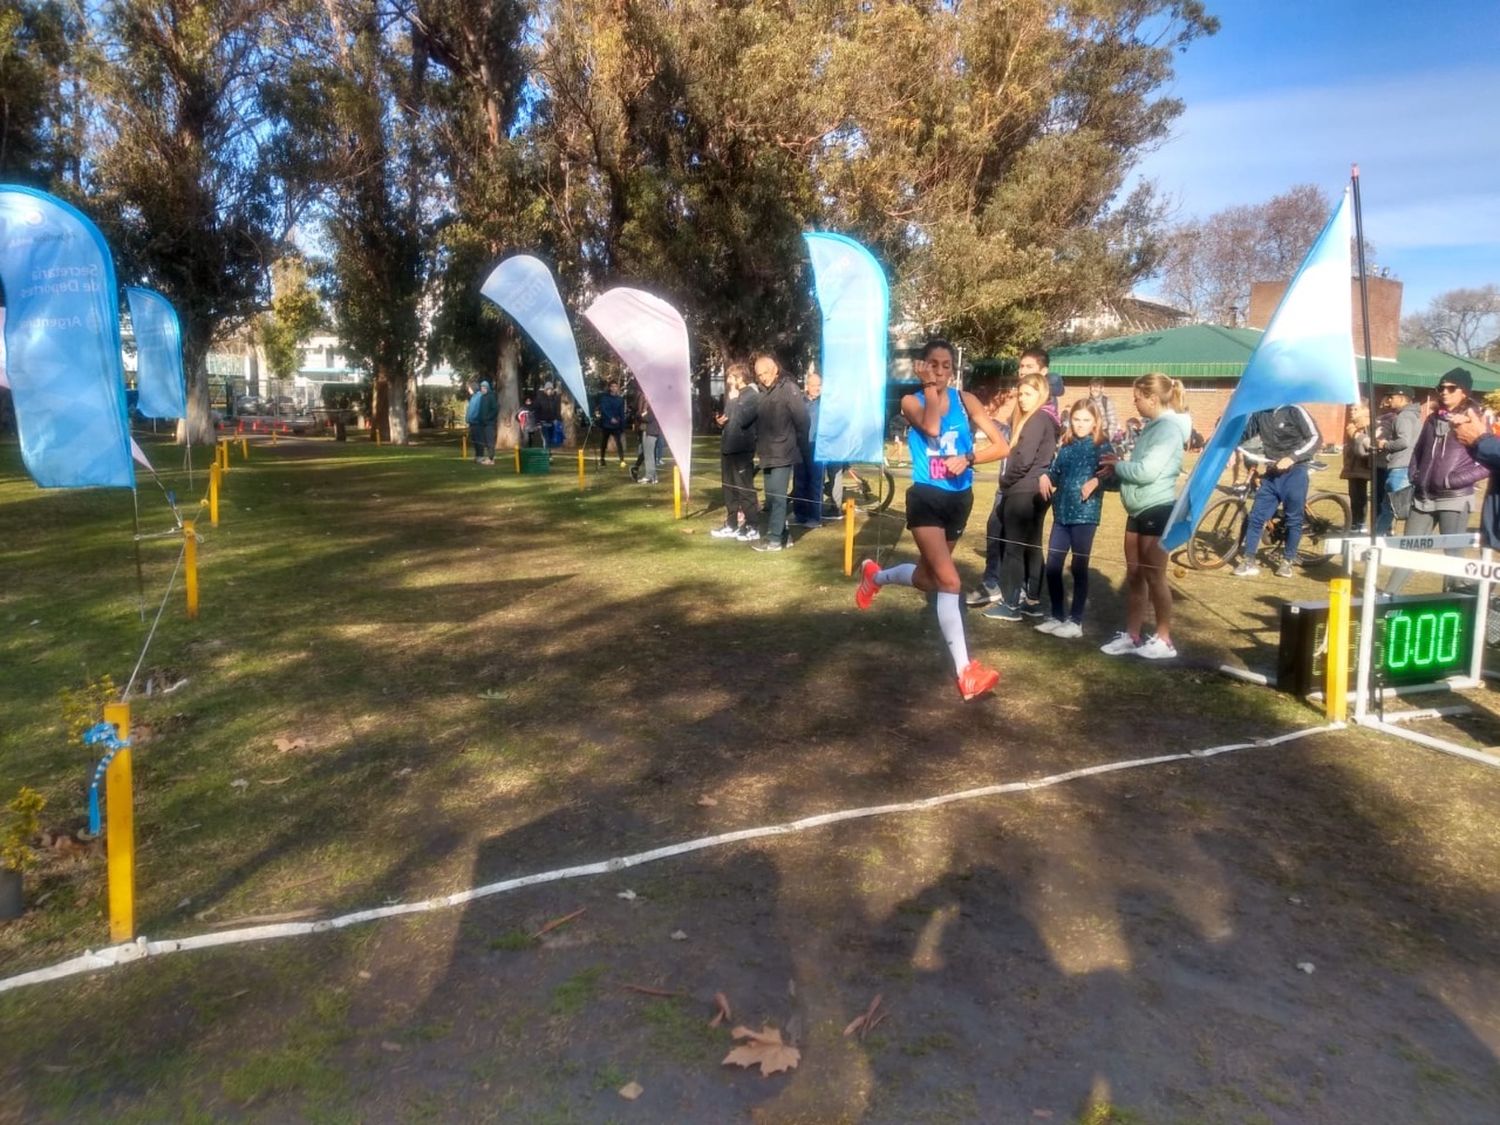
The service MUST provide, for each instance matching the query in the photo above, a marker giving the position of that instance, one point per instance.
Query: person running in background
(941, 440)
(1148, 484)
(1395, 436)
(482, 415)
(1287, 441)
(780, 442)
(611, 415)
(737, 456)
(1022, 507)
(1073, 486)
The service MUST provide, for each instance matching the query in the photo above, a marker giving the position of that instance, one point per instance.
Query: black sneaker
(982, 596)
(1030, 608)
(767, 545)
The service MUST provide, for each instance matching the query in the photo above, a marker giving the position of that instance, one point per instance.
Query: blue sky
(1290, 93)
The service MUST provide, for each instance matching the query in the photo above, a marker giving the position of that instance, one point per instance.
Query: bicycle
(1220, 535)
(869, 496)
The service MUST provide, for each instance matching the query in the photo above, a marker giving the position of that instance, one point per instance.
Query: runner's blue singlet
(953, 440)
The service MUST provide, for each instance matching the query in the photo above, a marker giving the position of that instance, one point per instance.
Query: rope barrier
(143, 948)
(125, 695)
(101, 733)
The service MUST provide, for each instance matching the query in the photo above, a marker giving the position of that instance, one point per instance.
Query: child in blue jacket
(1072, 484)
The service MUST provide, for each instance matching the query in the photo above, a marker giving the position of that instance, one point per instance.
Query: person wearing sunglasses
(1443, 469)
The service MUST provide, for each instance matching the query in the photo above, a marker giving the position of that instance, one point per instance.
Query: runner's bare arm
(998, 447)
(926, 417)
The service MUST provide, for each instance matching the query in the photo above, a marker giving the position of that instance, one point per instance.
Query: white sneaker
(1118, 645)
(1247, 568)
(724, 531)
(1154, 648)
(1051, 625)
(1068, 630)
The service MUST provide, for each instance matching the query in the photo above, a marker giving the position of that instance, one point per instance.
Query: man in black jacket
(1288, 439)
(780, 442)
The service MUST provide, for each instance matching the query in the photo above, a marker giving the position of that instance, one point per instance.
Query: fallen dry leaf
(678, 935)
(764, 1049)
(289, 745)
(722, 1014)
(708, 802)
(393, 1048)
(647, 990)
(631, 1090)
(863, 1023)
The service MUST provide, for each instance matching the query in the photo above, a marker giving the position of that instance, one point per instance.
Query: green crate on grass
(536, 460)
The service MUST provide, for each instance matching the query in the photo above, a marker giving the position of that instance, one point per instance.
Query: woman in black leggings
(1022, 509)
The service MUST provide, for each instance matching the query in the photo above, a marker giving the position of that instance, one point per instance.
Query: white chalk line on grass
(142, 948)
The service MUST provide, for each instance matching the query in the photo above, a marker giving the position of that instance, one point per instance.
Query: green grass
(495, 675)
(575, 993)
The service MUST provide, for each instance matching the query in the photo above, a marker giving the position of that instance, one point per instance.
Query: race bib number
(937, 468)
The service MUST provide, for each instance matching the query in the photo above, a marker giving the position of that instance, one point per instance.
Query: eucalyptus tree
(194, 170)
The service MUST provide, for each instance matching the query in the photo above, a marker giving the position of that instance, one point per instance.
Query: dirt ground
(1300, 933)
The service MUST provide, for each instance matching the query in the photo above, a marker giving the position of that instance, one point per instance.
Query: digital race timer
(1423, 639)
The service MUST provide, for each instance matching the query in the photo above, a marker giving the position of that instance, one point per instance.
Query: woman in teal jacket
(1148, 485)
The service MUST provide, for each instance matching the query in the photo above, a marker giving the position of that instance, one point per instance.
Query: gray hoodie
(1400, 430)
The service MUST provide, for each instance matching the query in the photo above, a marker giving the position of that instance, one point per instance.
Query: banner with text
(62, 343)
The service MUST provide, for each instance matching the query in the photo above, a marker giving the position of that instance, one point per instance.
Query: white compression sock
(950, 615)
(896, 575)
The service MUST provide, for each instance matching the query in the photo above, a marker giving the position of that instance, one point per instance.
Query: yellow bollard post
(119, 831)
(213, 494)
(463, 447)
(848, 538)
(676, 493)
(1336, 687)
(518, 458)
(190, 567)
(273, 437)
(582, 480)
(377, 435)
(220, 447)
(244, 451)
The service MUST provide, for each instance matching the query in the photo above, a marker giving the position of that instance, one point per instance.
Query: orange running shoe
(865, 592)
(976, 680)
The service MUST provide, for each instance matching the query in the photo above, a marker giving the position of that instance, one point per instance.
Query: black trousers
(738, 476)
(1021, 518)
(604, 436)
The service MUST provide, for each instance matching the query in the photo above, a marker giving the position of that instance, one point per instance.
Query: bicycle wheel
(870, 493)
(1219, 535)
(1326, 516)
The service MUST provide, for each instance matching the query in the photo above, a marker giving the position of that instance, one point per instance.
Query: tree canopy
(979, 149)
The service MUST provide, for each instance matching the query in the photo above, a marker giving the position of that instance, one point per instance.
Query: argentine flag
(1306, 355)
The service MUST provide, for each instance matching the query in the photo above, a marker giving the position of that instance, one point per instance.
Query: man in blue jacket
(1288, 439)
(611, 414)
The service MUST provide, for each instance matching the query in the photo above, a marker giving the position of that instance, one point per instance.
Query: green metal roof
(1206, 351)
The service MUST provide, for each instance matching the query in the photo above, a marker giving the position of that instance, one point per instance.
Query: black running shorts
(929, 506)
(1152, 522)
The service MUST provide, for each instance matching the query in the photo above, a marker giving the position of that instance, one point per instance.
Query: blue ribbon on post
(101, 734)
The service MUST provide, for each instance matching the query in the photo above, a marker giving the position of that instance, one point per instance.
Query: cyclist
(941, 438)
(1287, 440)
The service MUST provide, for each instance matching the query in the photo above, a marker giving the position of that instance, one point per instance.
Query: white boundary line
(142, 948)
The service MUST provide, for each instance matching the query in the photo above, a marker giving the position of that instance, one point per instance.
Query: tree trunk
(198, 425)
(413, 408)
(380, 405)
(398, 382)
(508, 390)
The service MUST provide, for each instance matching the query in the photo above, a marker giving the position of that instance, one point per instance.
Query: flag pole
(1364, 319)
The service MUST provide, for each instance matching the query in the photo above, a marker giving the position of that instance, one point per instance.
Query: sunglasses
(1448, 388)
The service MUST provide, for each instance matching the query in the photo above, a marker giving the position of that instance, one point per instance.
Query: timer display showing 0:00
(1428, 638)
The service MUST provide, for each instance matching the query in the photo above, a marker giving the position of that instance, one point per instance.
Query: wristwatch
(969, 457)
